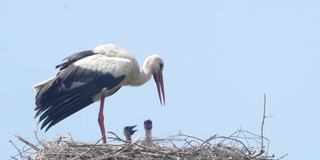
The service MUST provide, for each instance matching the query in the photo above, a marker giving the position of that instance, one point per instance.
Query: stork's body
(90, 76)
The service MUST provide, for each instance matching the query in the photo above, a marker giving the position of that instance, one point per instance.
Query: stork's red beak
(158, 78)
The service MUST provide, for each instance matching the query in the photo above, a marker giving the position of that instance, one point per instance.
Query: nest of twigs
(241, 145)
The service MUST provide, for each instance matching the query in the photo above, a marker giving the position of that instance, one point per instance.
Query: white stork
(90, 76)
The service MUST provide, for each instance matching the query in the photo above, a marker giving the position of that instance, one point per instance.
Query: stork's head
(148, 124)
(154, 64)
(128, 131)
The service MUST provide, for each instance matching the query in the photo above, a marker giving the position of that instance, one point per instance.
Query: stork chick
(128, 131)
(148, 133)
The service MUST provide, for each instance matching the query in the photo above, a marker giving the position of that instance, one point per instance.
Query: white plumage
(101, 63)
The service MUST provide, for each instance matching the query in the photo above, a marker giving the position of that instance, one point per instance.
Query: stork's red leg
(101, 120)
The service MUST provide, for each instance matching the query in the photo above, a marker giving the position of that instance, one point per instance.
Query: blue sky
(220, 58)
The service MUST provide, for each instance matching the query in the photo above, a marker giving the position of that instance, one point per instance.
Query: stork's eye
(161, 66)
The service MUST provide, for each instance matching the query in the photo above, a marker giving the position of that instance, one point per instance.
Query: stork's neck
(128, 138)
(141, 77)
(148, 134)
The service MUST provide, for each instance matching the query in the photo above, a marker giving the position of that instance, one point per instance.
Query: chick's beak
(158, 78)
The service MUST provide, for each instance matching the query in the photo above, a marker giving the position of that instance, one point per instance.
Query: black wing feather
(70, 92)
(80, 105)
(74, 57)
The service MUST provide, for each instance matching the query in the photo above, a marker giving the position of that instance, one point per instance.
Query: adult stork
(90, 76)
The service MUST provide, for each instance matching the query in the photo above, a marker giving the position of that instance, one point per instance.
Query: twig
(12, 157)
(262, 123)
(117, 137)
(70, 136)
(262, 126)
(28, 143)
(87, 150)
(209, 139)
(35, 132)
(192, 137)
(229, 136)
(283, 156)
(20, 153)
(233, 139)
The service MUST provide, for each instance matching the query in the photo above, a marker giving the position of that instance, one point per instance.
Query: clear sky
(220, 58)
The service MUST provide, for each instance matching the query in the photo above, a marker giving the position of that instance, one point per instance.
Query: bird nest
(241, 145)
